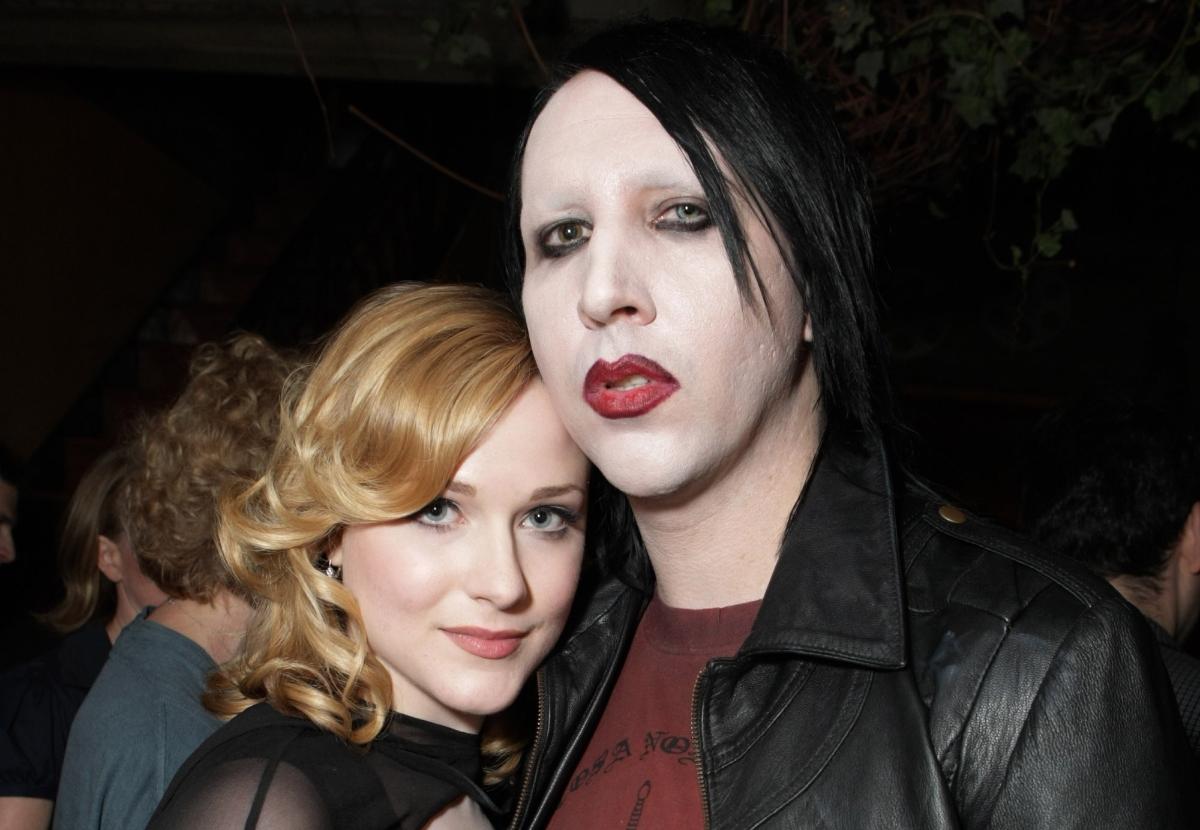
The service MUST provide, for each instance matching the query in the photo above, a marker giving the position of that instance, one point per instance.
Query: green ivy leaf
(912, 53)
(1060, 124)
(718, 9)
(1018, 44)
(1172, 96)
(976, 110)
(867, 66)
(999, 8)
(1101, 128)
(1048, 243)
(467, 48)
(850, 20)
(1039, 158)
(1001, 66)
(1067, 220)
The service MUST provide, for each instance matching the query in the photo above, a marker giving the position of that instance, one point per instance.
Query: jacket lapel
(837, 589)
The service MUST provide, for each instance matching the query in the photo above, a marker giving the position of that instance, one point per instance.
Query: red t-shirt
(639, 769)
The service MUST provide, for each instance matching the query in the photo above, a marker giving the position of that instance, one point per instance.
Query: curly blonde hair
(216, 436)
(403, 391)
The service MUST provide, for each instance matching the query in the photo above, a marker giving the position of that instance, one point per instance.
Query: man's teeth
(631, 382)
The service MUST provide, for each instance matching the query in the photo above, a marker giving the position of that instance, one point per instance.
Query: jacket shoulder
(954, 558)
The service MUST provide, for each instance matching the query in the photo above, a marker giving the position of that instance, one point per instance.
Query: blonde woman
(412, 552)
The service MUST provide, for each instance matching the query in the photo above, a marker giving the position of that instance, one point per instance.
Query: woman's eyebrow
(460, 487)
(555, 490)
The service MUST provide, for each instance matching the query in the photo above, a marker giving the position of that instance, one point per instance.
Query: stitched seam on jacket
(956, 737)
(827, 754)
(1033, 706)
(1047, 568)
(753, 734)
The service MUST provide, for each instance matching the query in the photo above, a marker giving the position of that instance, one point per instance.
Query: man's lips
(486, 643)
(629, 387)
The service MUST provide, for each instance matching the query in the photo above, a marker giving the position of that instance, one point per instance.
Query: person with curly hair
(144, 714)
(412, 553)
(104, 591)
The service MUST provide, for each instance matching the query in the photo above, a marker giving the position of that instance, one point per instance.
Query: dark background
(169, 174)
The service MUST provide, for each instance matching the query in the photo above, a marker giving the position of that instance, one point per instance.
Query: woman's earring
(332, 571)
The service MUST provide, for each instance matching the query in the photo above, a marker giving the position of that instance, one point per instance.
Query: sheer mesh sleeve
(246, 793)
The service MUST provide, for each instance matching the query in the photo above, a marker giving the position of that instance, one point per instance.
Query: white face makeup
(661, 372)
(463, 601)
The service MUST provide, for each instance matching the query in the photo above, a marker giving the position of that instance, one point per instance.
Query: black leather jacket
(920, 670)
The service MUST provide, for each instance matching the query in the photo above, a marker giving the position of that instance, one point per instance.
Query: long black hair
(777, 137)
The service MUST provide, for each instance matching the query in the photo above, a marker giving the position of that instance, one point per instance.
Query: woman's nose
(497, 576)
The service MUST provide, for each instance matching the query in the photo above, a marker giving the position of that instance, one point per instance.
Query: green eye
(685, 216)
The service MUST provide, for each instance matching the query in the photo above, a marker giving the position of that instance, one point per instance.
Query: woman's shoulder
(262, 731)
(261, 760)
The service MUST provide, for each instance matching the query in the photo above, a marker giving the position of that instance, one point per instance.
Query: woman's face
(463, 600)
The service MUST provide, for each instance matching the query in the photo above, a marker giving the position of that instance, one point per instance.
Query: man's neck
(215, 626)
(1152, 601)
(717, 544)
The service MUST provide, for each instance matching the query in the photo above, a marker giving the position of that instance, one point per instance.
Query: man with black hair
(786, 631)
(1117, 487)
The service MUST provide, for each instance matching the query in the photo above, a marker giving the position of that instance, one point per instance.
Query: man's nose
(616, 285)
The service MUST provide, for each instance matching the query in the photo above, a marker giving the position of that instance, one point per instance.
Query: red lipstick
(627, 388)
(482, 642)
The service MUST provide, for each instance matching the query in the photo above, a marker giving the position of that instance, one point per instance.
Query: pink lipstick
(631, 386)
(482, 642)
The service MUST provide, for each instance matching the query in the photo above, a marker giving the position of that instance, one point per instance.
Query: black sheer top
(266, 770)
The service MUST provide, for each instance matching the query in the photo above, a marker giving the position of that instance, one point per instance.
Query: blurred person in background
(1116, 486)
(104, 590)
(144, 715)
(8, 507)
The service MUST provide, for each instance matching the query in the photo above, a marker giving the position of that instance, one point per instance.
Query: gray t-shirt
(138, 724)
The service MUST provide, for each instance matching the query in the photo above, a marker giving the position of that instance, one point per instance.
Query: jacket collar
(837, 589)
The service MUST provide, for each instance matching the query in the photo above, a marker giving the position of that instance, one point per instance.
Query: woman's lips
(483, 642)
(629, 387)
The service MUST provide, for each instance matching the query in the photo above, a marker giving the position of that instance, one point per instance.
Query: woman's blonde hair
(93, 511)
(403, 391)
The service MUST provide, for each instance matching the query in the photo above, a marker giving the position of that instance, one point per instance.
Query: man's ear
(1189, 541)
(108, 559)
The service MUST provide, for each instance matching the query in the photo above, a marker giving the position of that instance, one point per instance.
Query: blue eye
(553, 520)
(440, 512)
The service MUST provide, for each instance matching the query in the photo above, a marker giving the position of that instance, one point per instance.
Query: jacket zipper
(704, 808)
(533, 751)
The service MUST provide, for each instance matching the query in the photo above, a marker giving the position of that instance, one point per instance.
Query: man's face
(8, 518)
(662, 374)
